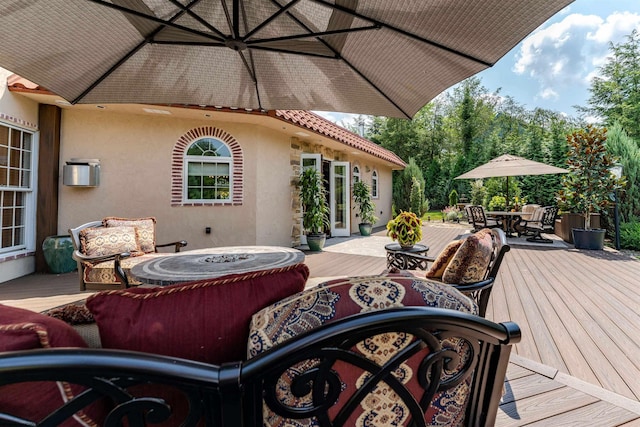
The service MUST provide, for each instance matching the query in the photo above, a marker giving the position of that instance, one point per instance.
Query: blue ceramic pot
(57, 253)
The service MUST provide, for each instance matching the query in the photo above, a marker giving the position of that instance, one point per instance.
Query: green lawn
(432, 216)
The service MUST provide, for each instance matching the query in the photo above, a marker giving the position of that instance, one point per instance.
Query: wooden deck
(579, 311)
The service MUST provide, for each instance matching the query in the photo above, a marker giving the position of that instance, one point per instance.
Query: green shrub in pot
(365, 207)
(315, 209)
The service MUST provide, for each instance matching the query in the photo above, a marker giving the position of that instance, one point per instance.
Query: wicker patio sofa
(371, 350)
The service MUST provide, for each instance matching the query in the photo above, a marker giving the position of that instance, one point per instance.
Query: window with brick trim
(207, 163)
(208, 166)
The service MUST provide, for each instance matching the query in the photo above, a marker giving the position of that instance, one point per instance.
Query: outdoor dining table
(509, 220)
(213, 262)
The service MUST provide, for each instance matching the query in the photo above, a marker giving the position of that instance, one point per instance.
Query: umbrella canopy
(508, 165)
(373, 57)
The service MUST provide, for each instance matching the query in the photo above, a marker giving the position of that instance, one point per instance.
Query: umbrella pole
(507, 204)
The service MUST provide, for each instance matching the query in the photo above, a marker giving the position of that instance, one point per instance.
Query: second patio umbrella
(508, 165)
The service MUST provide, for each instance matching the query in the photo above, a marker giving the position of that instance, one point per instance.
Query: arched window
(356, 174)
(208, 171)
(374, 184)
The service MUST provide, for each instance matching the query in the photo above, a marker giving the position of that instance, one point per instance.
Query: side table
(396, 258)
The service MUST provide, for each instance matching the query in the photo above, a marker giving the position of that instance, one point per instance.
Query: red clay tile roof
(301, 118)
(322, 126)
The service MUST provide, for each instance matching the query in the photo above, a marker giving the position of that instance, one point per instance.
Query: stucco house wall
(137, 150)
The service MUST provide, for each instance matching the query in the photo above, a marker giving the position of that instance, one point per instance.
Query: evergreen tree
(615, 97)
(620, 145)
(402, 184)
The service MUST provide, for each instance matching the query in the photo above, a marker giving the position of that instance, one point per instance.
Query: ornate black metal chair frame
(234, 394)
(479, 220)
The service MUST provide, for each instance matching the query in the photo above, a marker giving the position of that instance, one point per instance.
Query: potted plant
(362, 199)
(315, 209)
(406, 228)
(589, 185)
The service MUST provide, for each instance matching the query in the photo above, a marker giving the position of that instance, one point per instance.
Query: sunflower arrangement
(406, 228)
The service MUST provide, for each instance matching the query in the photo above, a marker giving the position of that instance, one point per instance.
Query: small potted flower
(406, 228)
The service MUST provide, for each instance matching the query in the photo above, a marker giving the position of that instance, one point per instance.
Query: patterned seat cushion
(339, 298)
(103, 272)
(145, 230)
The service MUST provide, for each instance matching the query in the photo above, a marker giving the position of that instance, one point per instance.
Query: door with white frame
(339, 198)
(308, 161)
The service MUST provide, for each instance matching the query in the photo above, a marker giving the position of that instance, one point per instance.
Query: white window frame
(206, 160)
(356, 174)
(375, 185)
(28, 243)
(317, 164)
(345, 230)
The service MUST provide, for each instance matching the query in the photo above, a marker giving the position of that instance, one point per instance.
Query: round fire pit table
(213, 262)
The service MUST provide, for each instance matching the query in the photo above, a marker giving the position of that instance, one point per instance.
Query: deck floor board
(579, 312)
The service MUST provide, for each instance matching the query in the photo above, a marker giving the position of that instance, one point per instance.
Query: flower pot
(57, 252)
(406, 246)
(365, 229)
(316, 241)
(588, 239)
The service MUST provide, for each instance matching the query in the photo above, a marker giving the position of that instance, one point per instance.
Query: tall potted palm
(589, 186)
(315, 209)
(366, 209)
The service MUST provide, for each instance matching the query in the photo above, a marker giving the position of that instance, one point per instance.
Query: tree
(588, 186)
(402, 184)
(620, 145)
(615, 95)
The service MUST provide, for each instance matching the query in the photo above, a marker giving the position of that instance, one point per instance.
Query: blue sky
(553, 66)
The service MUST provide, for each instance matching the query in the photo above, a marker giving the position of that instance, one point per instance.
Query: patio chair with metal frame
(478, 217)
(479, 291)
(545, 224)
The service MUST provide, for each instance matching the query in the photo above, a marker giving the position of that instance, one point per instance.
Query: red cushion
(25, 330)
(206, 320)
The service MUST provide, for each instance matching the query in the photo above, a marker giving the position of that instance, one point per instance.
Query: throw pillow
(101, 241)
(470, 262)
(206, 320)
(71, 314)
(340, 298)
(145, 230)
(25, 330)
(442, 260)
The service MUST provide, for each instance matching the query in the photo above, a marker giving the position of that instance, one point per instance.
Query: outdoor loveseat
(100, 245)
(257, 349)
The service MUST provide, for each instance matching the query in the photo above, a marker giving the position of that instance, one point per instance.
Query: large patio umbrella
(362, 56)
(508, 165)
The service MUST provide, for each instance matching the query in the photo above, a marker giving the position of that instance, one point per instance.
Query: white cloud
(549, 93)
(565, 55)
